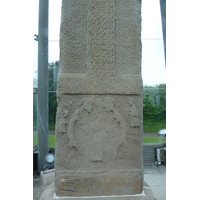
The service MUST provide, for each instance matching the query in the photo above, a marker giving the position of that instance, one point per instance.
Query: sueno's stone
(99, 95)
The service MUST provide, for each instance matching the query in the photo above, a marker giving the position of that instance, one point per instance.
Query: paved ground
(150, 134)
(155, 177)
(38, 188)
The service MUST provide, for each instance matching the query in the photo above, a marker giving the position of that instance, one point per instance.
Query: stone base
(49, 194)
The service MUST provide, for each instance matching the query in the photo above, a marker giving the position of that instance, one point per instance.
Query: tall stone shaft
(99, 93)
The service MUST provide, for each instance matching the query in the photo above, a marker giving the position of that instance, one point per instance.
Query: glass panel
(54, 51)
(153, 72)
(151, 19)
(53, 73)
(154, 113)
(34, 119)
(35, 68)
(54, 19)
(54, 56)
(153, 64)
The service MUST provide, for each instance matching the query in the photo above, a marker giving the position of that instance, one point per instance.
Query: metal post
(163, 18)
(42, 114)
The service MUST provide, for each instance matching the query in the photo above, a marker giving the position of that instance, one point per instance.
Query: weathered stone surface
(146, 194)
(99, 93)
(85, 84)
(101, 142)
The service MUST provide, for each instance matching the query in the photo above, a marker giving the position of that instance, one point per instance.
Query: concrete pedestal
(47, 177)
(49, 194)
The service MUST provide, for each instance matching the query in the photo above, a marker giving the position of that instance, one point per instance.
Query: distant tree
(154, 102)
(34, 110)
(53, 72)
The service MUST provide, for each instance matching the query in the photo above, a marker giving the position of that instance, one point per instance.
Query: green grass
(51, 140)
(148, 125)
(146, 139)
(153, 126)
(153, 139)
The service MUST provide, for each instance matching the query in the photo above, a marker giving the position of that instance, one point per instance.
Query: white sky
(153, 62)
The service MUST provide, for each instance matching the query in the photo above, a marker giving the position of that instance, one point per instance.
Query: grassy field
(153, 139)
(146, 139)
(153, 126)
(148, 125)
(51, 140)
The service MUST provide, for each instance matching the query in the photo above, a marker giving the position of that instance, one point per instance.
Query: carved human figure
(135, 121)
(87, 105)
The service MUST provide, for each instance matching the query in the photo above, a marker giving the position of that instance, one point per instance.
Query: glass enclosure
(153, 70)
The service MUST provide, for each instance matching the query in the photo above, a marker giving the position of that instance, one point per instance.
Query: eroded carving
(85, 105)
(98, 119)
(134, 114)
(65, 113)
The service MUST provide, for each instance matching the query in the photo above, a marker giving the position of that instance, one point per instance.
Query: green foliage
(52, 125)
(154, 108)
(34, 110)
(53, 72)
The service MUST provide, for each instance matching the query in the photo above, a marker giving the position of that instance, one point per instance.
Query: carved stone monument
(99, 118)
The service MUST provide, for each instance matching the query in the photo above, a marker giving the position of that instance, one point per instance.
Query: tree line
(52, 99)
(154, 102)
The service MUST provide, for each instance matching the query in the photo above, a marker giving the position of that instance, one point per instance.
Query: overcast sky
(153, 63)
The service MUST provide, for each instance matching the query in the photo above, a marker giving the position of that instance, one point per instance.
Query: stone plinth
(146, 194)
(99, 116)
(101, 144)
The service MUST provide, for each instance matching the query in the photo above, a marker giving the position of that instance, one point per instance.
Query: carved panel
(127, 37)
(100, 47)
(99, 125)
(134, 114)
(101, 21)
(73, 36)
(107, 124)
